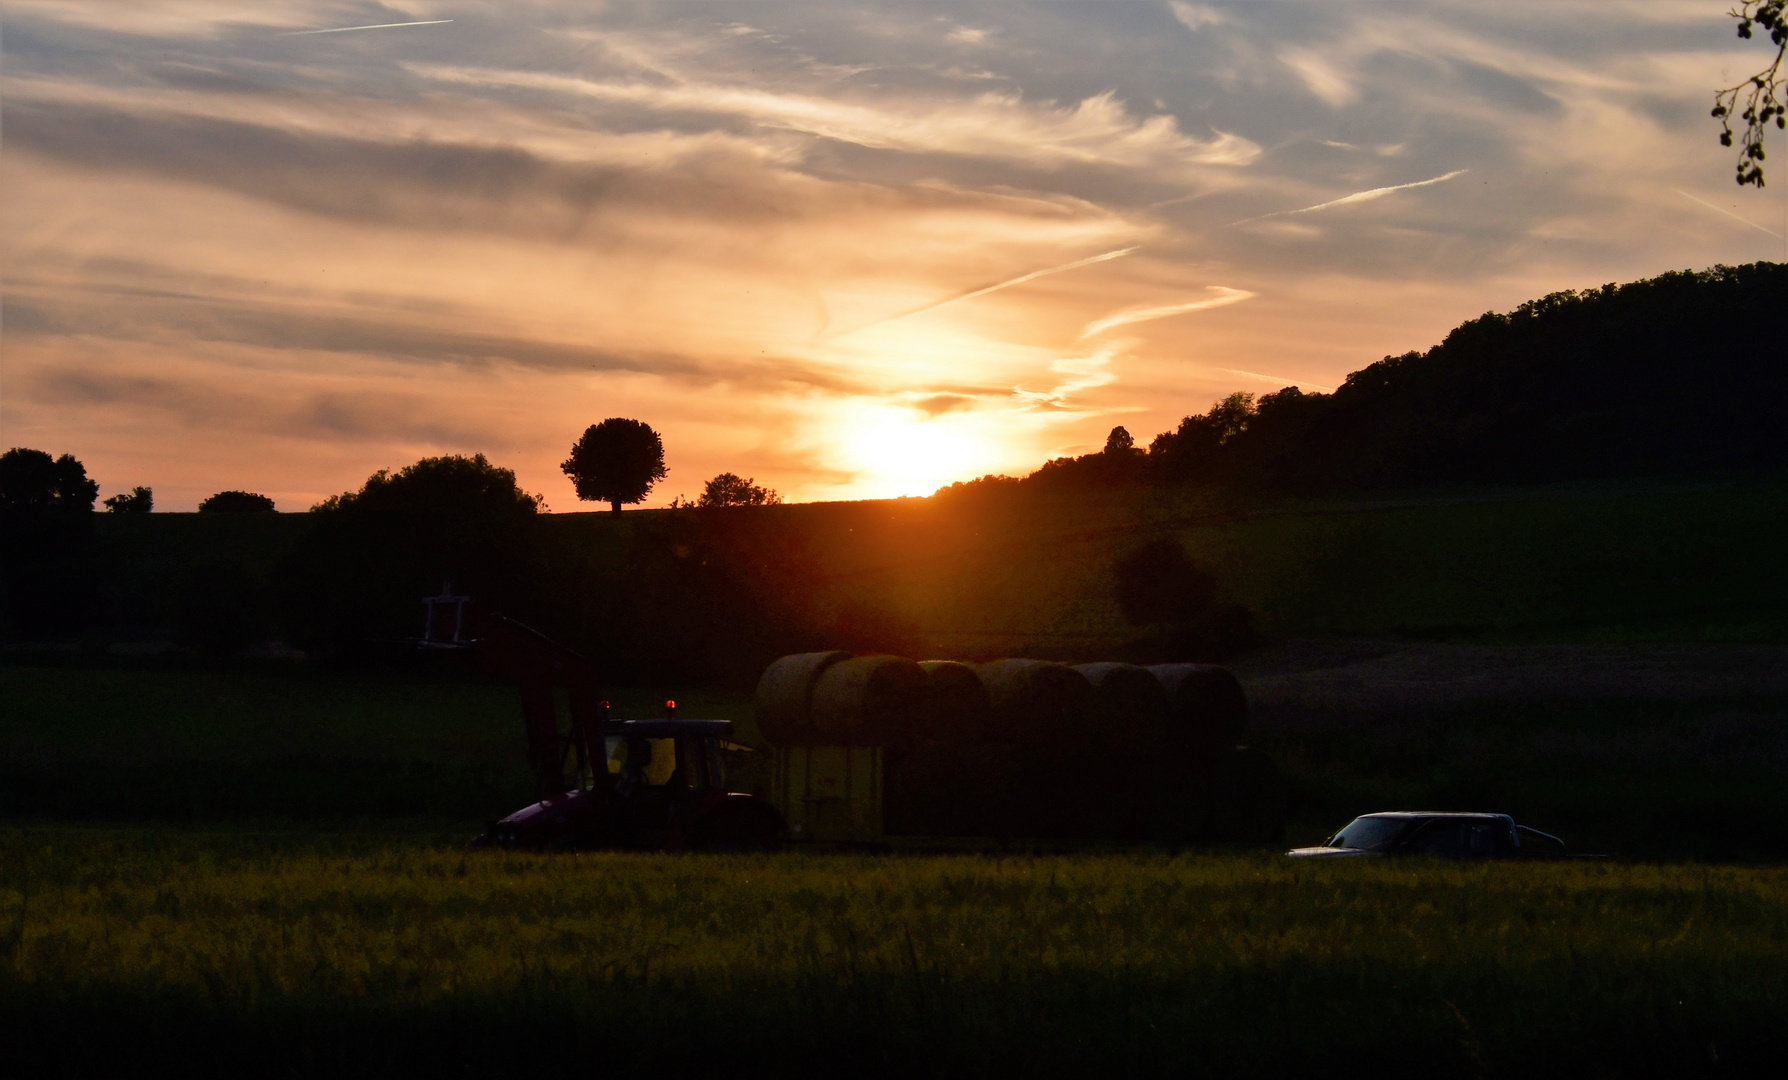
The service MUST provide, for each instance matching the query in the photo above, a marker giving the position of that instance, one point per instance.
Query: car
(1444, 834)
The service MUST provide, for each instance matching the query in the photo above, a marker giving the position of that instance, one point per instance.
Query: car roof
(1433, 814)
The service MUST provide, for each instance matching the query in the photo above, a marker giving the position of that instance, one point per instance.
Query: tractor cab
(661, 772)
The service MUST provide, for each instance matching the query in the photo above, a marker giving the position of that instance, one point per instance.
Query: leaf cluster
(1762, 94)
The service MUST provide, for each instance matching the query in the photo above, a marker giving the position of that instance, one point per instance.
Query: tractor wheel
(738, 830)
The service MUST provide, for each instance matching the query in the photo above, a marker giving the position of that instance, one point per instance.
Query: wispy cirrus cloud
(1079, 373)
(1225, 296)
(1098, 130)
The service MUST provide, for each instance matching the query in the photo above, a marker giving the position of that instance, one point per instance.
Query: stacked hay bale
(1127, 740)
(785, 696)
(868, 701)
(1022, 747)
(1041, 712)
(1211, 788)
(943, 777)
(958, 709)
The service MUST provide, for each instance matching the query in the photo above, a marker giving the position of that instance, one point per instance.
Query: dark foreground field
(256, 870)
(194, 953)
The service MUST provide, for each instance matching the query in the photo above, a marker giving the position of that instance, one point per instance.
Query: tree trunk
(616, 503)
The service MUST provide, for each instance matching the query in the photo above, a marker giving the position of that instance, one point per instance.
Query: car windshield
(1369, 832)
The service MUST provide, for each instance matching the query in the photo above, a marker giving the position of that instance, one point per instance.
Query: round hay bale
(1129, 708)
(957, 711)
(1034, 702)
(785, 696)
(1206, 709)
(869, 701)
(1122, 769)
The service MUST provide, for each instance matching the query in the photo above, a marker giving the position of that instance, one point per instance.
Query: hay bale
(869, 701)
(1034, 702)
(957, 711)
(1122, 770)
(1206, 709)
(785, 696)
(942, 781)
(1129, 709)
(1043, 712)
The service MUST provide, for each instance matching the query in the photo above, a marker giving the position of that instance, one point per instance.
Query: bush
(729, 489)
(359, 577)
(236, 502)
(139, 500)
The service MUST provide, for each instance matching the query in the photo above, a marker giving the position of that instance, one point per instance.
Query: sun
(894, 450)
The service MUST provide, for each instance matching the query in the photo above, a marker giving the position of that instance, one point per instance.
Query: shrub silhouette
(140, 500)
(729, 489)
(1158, 584)
(236, 502)
(359, 576)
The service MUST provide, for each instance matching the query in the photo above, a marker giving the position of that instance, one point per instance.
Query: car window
(1455, 839)
(1369, 832)
(1445, 839)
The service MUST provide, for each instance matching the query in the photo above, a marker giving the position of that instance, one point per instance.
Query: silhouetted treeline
(1680, 372)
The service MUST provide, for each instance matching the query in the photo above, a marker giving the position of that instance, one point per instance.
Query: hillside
(1678, 373)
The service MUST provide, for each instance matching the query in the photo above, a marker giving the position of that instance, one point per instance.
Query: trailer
(882, 750)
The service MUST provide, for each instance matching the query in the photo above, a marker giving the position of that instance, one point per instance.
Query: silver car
(1444, 834)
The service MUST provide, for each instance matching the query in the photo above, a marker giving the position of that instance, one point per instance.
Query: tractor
(644, 784)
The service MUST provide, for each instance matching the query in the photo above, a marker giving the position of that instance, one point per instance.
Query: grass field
(350, 955)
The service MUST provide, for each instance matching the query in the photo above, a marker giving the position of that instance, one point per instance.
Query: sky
(851, 250)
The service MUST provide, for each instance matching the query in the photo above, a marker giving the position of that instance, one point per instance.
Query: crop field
(290, 954)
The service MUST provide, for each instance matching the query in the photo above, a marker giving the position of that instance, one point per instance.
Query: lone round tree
(616, 461)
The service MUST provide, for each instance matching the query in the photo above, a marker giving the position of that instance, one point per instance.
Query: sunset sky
(238, 255)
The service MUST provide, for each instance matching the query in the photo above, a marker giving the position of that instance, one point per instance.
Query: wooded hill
(1678, 373)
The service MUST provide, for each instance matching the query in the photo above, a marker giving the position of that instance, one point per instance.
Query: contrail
(1277, 379)
(1019, 280)
(1727, 212)
(1356, 197)
(1225, 295)
(374, 26)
